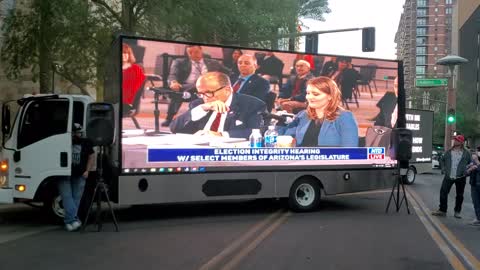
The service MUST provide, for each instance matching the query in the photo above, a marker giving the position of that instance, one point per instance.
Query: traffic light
(311, 43)
(368, 39)
(451, 117)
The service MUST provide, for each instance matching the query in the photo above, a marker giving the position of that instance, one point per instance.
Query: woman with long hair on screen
(325, 122)
(132, 76)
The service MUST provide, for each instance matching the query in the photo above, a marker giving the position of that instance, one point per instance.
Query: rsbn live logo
(376, 153)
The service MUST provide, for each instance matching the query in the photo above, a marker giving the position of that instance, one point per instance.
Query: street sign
(431, 82)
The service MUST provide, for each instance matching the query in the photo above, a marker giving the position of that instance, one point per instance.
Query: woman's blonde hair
(329, 87)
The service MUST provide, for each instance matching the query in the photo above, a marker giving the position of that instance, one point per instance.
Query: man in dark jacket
(456, 161)
(219, 111)
(248, 82)
(473, 170)
(292, 95)
(184, 74)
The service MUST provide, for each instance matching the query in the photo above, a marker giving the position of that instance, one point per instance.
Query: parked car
(436, 160)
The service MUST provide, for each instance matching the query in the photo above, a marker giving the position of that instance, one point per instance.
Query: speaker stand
(101, 188)
(397, 188)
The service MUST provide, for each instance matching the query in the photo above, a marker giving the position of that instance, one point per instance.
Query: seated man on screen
(184, 73)
(292, 95)
(248, 82)
(219, 111)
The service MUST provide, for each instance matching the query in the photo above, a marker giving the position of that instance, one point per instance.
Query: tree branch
(114, 14)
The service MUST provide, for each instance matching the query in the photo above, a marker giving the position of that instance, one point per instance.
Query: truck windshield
(41, 119)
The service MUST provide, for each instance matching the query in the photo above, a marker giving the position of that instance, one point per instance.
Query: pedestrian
(456, 160)
(71, 187)
(474, 172)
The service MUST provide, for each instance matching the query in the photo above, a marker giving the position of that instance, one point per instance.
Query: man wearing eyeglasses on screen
(219, 111)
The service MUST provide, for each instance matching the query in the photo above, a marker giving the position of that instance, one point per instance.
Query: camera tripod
(101, 188)
(395, 194)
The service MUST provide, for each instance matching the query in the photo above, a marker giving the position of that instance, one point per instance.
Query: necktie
(237, 85)
(216, 122)
(198, 68)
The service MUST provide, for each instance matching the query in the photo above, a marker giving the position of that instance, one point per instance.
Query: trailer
(149, 163)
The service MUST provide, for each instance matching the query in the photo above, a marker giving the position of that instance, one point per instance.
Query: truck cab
(37, 147)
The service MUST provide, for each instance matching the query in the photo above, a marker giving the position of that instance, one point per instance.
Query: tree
(468, 121)
(77, 34)
(50, 32)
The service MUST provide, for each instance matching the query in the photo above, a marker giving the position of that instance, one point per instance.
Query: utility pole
(451, 61)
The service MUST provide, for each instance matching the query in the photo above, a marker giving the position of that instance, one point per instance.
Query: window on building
(448, 10)
(436, 19)
(421, 60)
(421, 12)
(421, 31)
(421, 50)
(421, 40)
(421, 21)
(435, 68)
(449, 2)
(436, 9)
(420, 70)
(421, 3)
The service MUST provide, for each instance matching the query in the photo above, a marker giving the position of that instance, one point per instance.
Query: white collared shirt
(198, 113)
(195, 73)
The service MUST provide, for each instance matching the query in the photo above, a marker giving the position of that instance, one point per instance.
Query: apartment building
(423, 37)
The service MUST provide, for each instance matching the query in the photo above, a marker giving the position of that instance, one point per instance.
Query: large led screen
(189, 108)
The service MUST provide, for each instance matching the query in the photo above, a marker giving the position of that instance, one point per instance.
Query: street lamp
(451, 61)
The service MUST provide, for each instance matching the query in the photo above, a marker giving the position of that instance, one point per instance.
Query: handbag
(378, 136)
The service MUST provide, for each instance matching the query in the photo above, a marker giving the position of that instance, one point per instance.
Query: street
(350, 231)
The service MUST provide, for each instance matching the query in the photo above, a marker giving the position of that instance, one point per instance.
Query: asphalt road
(347, 232)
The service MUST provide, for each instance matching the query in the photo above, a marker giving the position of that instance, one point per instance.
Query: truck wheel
(53, 207)
(411, 175)
(304, 195)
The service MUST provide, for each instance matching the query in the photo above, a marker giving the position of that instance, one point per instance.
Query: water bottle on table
(256, 139)
(271, 137)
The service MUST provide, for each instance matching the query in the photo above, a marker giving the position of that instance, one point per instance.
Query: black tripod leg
(99, 210)
(399, 182)
(405, 197)
(90, 208)
(391, 196)
(111, 210)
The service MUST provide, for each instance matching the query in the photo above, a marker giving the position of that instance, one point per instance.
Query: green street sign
(431, 82)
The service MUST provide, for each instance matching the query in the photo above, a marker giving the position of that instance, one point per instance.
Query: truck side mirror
(368, 39)
(5, 119)
(5, 122)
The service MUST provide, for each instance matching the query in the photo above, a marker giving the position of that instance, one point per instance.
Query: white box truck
(148, 163)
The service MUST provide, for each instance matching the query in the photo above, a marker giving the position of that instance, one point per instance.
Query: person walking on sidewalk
(71, 187)
(456, 161)
(474, 171)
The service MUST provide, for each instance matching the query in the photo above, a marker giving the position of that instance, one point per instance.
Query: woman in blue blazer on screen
(325, 122)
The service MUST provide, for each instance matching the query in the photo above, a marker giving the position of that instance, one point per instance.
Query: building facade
(467, 45)
(423, 37)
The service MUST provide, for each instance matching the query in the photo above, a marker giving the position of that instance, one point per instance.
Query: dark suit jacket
(386, 105)
(181, 68)
(245, 114)
(270, 66)
(287, 89)
(255, 86)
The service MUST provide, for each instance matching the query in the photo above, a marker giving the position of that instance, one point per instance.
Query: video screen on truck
(189, 108)
(420, 122)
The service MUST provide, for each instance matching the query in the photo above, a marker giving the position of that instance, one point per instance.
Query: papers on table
(183, 141)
